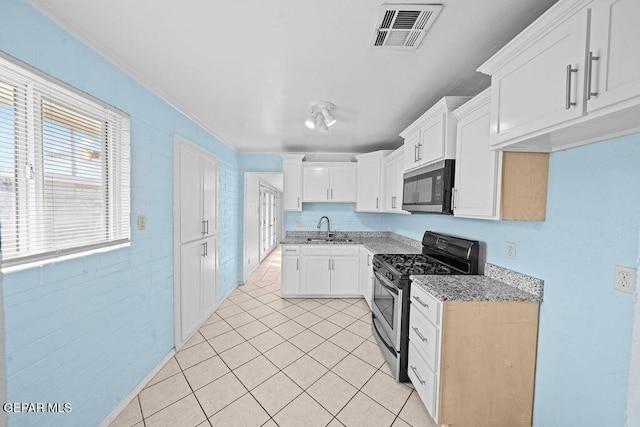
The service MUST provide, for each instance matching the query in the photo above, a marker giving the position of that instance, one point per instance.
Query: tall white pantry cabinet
(195, 237)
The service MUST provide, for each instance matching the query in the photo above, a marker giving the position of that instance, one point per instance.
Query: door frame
(178, 143)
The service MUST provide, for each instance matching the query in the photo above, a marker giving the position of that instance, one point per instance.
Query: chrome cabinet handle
(289, 250)
(204, 229)
(368, 259)
(204, 252)
(419, 146)
(332, 194)
(417, 331)
(377, 203)
(415, 371)
(454, 197)
(568, 103)
(592, 58)
(393, 202)
(329, 263)
(298, 201)
(415, 153)
(327, 194)
(297, 263)
(422, 303)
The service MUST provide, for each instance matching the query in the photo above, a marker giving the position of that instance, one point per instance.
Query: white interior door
(268, 220)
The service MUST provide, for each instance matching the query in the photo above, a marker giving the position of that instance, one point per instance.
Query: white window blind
(64, 169)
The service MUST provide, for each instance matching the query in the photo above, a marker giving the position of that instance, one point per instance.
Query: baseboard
(132, 395)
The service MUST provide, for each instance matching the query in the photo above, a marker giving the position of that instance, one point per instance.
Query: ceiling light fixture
(320, 116)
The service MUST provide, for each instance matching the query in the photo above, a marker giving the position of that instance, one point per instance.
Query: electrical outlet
(511, 250)
(625, 279)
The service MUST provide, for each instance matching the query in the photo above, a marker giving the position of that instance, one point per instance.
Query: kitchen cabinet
(198, 189)
(366, 274)
(369, 181)
(432, 137)
(290, 277)
(393, 181)
(194, 237)
(572, 77)
(614, 62)
(329, 270)
(473, 362)
(491, 184)
(198, 279)
(292, 176)
(329, 182)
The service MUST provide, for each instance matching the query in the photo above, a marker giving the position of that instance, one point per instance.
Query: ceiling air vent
(403, 26)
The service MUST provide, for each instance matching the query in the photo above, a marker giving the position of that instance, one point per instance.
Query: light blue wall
(593, 219)
(87, 331)
(342, 217)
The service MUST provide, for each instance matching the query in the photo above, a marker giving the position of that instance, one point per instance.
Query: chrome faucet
(328, 224)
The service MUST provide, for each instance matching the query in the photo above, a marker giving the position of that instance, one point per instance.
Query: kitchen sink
(328, 240)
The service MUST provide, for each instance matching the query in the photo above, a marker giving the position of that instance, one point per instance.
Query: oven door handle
(373, 322)
(385, 283)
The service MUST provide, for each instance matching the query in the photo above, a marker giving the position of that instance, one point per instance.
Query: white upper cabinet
(292, 175)
(198, 190)
(329, 182)
(393, 186)
(369, 188)
(572, 77)
(614, 53)
(432, 137)
(491, 184)
(477, 165)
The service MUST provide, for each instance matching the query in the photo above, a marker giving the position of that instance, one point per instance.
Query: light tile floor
(262, 360)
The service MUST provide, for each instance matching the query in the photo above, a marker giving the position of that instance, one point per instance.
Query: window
(64, 169)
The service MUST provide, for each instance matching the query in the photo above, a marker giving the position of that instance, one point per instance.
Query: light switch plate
(142, 222)
(510, 250)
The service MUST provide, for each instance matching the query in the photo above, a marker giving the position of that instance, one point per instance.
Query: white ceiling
(248, 70)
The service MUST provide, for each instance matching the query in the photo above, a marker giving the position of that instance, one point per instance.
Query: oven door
(386, 307)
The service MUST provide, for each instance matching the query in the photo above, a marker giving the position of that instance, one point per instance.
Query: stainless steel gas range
(441, 254)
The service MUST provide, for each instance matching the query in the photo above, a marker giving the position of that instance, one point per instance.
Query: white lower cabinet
(366, 274)
(290, 270)
(473, 362)
(198, 283)
(321, 270)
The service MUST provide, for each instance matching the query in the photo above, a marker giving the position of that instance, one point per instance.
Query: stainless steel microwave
(429, 188)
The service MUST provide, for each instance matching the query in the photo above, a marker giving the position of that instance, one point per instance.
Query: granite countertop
(376, 242)
(498, 283)
(471, 288)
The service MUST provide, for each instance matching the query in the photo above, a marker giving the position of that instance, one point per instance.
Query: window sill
(55, 260)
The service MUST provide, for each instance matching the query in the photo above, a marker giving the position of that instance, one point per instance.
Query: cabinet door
(292, 175)
(344, 275)
(477, 176)
(343, 184)
(431, 146)
(543, 86)
(290, 275)
(209, 275)
(316, 276)
(191, 313)
(315, 183)
(390, 172)
(209, 192)
(368, 197)
(191, 226)
(411, 151)
(615, 32)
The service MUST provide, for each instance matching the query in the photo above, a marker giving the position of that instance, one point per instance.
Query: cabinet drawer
(290, 250)
(425, 337)
(316, 250)
(424, 380)
(422, 301)
(345, 250)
